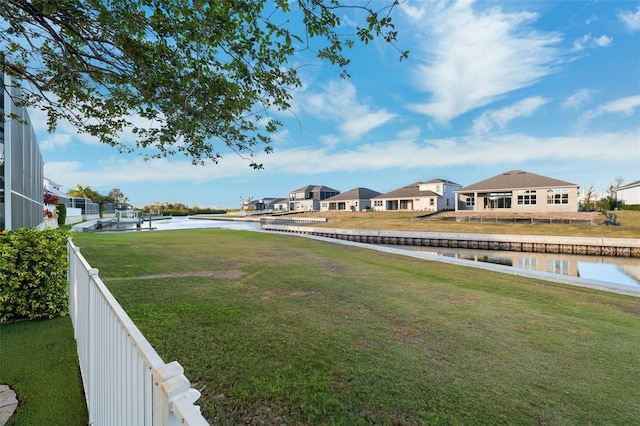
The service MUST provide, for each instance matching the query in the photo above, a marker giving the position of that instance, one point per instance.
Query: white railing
(125, 380)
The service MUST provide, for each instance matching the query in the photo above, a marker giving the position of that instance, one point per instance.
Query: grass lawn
(38, 360)
(278, 329)
(404, 221)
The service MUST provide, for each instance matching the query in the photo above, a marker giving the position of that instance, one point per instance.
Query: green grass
(285, 330)
(403, 221)
(38, 360)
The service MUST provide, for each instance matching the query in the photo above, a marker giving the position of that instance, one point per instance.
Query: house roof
(314, 188)
(515, 179)
(436, 180)
(277, 201)
(629, 185)
(355, 194)
(409, 191)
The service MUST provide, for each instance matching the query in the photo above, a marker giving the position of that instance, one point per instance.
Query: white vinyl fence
(125, 380)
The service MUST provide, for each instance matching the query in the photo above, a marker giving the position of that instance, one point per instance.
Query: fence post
(176, 389)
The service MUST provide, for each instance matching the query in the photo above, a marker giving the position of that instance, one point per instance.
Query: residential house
(356, 200)
(519, 191)
(629, 194)
(277, 205)
(308, 197)
(21, 164)
(252, 206)
(432, 195)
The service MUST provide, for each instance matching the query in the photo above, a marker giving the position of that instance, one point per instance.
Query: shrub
(61, 210)
(33, 274)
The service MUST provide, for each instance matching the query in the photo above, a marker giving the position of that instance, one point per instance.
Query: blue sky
(552, 88)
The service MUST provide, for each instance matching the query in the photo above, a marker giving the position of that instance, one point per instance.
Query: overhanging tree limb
(197, 70)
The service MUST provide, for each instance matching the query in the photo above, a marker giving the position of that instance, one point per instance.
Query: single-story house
(356, 200)
(277, 204)
(432, 195)
(519, 191)
(629, 194)
(308, 197)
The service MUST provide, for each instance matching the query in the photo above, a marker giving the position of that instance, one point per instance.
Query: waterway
(616, 270)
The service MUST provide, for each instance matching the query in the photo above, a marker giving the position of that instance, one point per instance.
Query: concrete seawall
(621, 247)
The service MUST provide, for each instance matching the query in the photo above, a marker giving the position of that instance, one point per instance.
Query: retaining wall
(622, 247)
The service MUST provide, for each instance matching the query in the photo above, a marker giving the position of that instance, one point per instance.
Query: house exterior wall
(345, 205)
(21, 165)
(630, 195)
(444, 198)
(308, 199)
(530, 200)
(304, 205)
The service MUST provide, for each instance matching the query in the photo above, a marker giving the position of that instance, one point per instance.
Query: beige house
(432, 195)
(356, 200)
(308, 197)
(519, 191)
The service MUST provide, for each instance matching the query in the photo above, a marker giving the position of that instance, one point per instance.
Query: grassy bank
(38, 360)
(405, 221)
(285, 330)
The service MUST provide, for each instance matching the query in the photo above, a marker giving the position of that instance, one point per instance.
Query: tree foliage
(200, 74)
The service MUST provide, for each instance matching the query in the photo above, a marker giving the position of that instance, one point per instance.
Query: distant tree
(204, 74)
(588, 199)
(116, 197)
(87, 192)
(83, 192)
(610, 200)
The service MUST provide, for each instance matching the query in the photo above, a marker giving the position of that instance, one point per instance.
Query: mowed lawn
(280, 329)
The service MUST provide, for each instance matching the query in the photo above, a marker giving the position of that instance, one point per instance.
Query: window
(499, 200)
(526, 197)
(558, 196)
(471, 201)
(431, 201)
(377, 203)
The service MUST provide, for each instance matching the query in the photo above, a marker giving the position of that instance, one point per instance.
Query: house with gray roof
(629, 194)
(308, 197)
(356, 200)
(432, 195)
(519, 191)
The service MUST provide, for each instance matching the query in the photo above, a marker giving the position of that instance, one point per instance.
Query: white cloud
(587, 41)
(472, 57)
(114, 171)
(405, 152)
(577, 99)
(359, 126)
(339, 103)
(603, 41)
(624, 106)
(55, 141)
(630, 19)
(500, 118)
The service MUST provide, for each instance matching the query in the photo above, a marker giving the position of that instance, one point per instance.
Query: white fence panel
(125, 380)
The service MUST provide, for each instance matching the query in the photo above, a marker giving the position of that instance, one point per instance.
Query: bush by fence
(33, 274)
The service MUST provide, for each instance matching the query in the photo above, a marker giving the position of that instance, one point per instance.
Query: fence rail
(125, 380)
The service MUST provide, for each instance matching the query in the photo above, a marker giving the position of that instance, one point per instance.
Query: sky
(549, 87)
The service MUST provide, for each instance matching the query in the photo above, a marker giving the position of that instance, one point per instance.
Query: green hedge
(33, 274)
(61, 210)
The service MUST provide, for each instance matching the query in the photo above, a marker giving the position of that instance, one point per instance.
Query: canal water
(617, 270)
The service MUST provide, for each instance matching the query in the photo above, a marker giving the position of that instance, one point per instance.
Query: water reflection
(619, 270)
